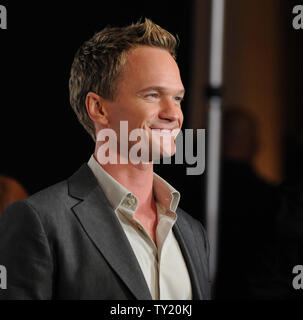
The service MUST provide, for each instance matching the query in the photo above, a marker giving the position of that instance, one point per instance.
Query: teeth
(161, 130)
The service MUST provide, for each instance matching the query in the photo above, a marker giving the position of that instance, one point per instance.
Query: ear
(96, 109)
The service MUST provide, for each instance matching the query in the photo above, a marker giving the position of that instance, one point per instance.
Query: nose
(170, 111)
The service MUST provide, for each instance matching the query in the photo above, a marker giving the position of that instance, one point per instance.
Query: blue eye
(152, 95)
(178, 99)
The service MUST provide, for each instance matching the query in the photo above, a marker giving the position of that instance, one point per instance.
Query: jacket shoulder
(47, 204)
(51, 198)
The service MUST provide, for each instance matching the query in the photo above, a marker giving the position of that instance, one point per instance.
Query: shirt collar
(165, 194)
(117, 194)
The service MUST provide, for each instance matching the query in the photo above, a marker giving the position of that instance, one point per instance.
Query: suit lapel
(102, 226)
(182, 232)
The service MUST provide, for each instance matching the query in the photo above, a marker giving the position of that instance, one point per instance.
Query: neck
(137, 178)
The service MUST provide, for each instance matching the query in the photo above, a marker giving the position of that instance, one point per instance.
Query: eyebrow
(160, 89)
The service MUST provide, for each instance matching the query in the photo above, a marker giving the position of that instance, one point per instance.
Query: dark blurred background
(43, 143)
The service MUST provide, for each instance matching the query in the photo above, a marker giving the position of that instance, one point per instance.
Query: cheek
(119, 113)
(181, 117)
(145, 116)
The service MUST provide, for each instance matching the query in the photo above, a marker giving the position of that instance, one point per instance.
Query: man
(112, 230)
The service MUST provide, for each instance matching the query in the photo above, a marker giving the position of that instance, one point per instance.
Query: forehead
(153, 67)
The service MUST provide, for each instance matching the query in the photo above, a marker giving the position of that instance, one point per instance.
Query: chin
(167, 152)
(162, 150)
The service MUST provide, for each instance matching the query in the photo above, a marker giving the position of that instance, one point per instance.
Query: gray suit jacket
(65, 242)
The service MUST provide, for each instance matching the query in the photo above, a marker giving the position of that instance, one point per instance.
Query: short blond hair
(99, 62)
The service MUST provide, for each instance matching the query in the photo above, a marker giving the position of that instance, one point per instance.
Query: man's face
(149, 96)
